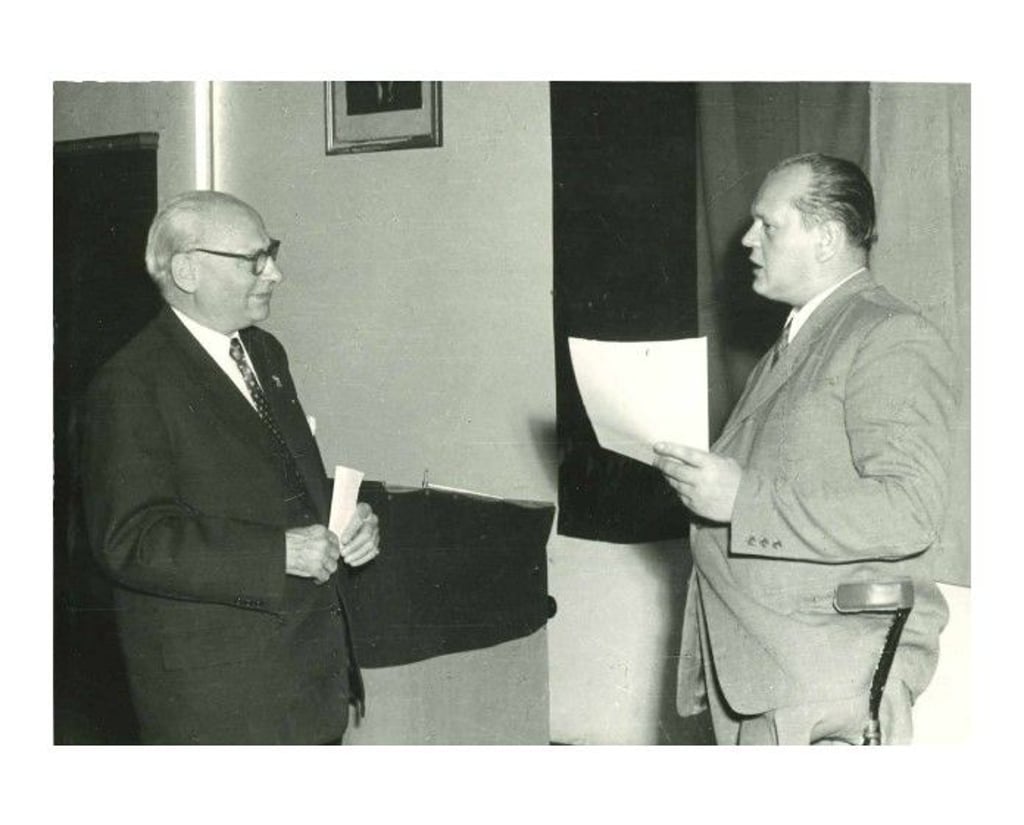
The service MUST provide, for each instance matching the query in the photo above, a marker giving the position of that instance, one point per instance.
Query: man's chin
(259, 307)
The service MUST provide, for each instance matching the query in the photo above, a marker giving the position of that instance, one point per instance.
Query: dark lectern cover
(456, 572)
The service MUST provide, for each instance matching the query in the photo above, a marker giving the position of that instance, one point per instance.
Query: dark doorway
(625, 268)
(104, 198)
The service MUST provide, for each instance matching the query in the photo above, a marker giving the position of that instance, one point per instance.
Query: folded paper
(344, 498)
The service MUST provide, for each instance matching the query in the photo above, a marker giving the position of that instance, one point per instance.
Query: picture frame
(379, 115)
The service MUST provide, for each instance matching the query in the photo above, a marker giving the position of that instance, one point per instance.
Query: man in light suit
(832, 468)
(206, 498)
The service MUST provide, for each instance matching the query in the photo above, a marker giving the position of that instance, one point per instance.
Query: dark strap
(872, 735)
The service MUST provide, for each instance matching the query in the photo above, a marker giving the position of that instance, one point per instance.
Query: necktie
(255, 390)
(782, 343)
(292, 475)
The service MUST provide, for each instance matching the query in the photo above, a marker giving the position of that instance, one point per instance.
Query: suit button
(751, 541)
(764, 542)
(776, 544)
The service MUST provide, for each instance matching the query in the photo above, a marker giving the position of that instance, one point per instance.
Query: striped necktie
(292, 474)
(255, 390)
(782, 343)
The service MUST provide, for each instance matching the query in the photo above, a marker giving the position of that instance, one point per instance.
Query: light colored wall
(615, 644)
(417, 301)
(88, 110)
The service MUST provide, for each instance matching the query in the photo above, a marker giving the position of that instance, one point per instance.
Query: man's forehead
(229, 220)
(780, 189)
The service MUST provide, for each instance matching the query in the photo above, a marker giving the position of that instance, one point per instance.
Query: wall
(416, 302)
(87, 110)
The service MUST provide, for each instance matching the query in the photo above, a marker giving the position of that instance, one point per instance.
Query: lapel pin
(276, 380)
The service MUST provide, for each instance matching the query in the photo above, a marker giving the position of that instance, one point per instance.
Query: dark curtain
(624, 219)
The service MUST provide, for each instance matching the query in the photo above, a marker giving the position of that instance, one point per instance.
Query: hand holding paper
(360, 541)
(705, 482)
(640, 393)
(355, 524)
(311, 552)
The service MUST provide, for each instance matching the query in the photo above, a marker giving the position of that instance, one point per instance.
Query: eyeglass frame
(268, 254)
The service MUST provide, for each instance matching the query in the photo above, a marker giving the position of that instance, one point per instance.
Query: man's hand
(846, 720)
(360, 540)
(705, 482)
(311, 552)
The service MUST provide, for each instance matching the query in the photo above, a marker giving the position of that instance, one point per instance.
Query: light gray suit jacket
(845, 446)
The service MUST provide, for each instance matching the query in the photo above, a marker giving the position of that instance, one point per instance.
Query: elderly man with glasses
(206, 502)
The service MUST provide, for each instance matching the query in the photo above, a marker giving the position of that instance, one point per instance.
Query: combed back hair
(838, 191)
(179, 225)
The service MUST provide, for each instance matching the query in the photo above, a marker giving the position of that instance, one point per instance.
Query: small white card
(345, 498)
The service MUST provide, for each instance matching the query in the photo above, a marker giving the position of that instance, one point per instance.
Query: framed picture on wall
(374, 115)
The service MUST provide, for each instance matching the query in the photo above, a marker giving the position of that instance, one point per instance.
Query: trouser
(833, 722)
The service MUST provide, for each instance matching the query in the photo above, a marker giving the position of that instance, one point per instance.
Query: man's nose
(750, 238)
(271, 272)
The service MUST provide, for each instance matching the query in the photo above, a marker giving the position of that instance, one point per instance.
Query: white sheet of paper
(640, 392)
(345, 497)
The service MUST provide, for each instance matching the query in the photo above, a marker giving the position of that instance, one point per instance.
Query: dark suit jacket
(186, 508)
(845, 445)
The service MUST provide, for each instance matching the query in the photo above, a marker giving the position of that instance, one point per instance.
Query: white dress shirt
(218, 345)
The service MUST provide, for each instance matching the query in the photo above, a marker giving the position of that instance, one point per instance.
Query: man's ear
(831, 237)
(184, 273)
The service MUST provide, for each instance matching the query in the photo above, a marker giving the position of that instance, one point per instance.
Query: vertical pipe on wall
(203, 97)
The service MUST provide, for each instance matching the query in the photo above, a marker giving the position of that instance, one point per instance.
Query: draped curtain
(920, 168)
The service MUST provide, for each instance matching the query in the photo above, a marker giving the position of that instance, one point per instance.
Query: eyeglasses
(257, 261)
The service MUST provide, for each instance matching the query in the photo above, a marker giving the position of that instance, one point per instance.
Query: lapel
(216, 393)
(765, 381)
(213, 389)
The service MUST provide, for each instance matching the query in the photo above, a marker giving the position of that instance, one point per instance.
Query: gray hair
(179, 225)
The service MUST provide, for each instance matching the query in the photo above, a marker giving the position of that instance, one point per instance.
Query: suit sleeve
(897, 408)
(143, 532)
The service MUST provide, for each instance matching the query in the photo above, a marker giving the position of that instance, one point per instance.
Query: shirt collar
(798, 317)
(211, 339)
